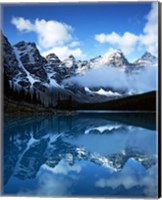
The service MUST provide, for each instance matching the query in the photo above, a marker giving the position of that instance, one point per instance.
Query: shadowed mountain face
(69, 147)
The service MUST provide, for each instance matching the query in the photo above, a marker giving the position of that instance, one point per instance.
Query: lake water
(95, 154)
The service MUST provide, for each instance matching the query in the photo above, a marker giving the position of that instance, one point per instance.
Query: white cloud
(49, 33)
(64, 51)
(52, 37)
(115, 78)
(74, 44)
(63, 168)
(102, 38)
(130, 42)
(149, 38)
(125, 42)
(130, 178)
(55, 181)
(57, 37)
(49, 185)
(22, 24)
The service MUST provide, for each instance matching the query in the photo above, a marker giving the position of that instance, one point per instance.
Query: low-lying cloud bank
(143, 81)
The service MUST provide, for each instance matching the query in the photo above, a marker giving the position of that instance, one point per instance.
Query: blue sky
(85, 30)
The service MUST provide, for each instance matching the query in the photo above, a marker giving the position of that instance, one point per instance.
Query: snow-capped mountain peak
(147, 59)
(71, 57)
(70, 62)
(29, 52)
(147, 55)
(53, 59)
(30, 58)
(115, 59)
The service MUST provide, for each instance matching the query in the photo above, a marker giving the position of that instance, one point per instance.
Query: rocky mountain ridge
(26, 69)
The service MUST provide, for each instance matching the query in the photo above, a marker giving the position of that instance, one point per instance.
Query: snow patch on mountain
(29, 76)
(53, 83)
(107, 93)
(102, 92)
(104, 128)
(70, 62)
(147, 59)
(115, 58)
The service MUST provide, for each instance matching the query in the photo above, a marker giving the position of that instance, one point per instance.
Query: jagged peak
(147, 54)
(52, 58)
(146, 58)
(116, 53)
(52, 55)
(114, 56)
(23, 44)
(71, 56)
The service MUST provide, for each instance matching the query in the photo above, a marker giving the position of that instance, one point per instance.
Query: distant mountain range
(48, 78)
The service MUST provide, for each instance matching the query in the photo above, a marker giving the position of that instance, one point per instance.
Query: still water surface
(103, 154)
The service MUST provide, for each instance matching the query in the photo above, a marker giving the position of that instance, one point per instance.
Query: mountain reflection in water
(100, 154)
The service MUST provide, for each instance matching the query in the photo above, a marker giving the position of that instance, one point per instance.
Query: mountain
(53, 59)
(31, 61)
(115, 59)
(23, 65)
(147, 59)
(54, 70)
(70, 62)
(48, 79)
(12, 69)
